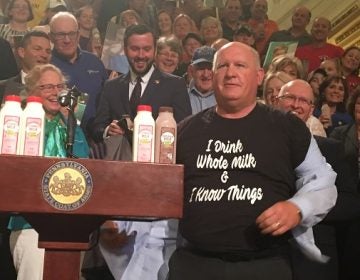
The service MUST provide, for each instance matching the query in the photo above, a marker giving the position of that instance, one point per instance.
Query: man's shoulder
(199, 120)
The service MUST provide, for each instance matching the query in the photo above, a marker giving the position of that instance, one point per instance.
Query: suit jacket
(161, 90)
(8, 66)
(12, 86)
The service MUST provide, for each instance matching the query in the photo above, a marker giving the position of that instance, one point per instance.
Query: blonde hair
(35, 74)
(282, 76)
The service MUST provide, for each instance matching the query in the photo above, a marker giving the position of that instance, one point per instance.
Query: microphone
(69, 97)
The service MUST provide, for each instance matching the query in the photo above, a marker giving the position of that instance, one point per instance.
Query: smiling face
(301, 17)
(182, 26)
(320, 29)
(140, 52)
(232, 11)
(86, 19)
(48, 94)
(210, 31)
(334, 92)
(237, 75)
(272, 90)
(296, 97)
(202, 75)
(351, 59)
(36, 51)
(20, 11)
(167, 60)
(165, 23)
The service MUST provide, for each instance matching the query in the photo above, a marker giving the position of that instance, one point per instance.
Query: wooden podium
(120, 190)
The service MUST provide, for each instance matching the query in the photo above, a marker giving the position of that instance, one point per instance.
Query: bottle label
(32, 139)
(167, 145)
(10, 135)
(145, 141)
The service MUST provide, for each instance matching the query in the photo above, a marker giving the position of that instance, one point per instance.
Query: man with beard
(139, 250)
(201, 90)
(157, 88)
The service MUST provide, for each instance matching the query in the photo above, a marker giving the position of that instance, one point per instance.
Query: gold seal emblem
(67, 185)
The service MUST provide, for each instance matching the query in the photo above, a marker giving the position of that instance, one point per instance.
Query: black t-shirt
(234, 170)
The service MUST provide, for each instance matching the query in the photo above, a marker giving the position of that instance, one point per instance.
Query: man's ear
(20, 52)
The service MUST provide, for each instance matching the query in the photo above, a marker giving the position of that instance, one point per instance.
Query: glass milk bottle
(143, 136)
(10, 116)
(165, 136)
(32, 128)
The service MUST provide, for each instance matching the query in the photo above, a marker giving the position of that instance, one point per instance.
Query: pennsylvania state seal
(67, 185)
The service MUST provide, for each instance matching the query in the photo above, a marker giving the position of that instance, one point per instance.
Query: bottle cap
(144, 108)
(165, 109)
(13, 98)
(34, 98)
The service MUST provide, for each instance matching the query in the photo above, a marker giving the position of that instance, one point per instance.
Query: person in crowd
(126, 18)
(272, 85)
(45, 81)
(315, 79)
(290, 65)
(147, 11)
(183, 25)
(8, 67)
(348, 135)
(319, 50)
(33, 50)
(331, 108)
(84, 69)
(200, 88)
(89, 35)
(248, 206)
(331, 66)
(349, 67)
(42, 11)
(245, 34)
(231, 18)
(246, 9)
(261, 24)
(168, 54)
(164, 23)
(146, 252)
(194, 9)
(219, 43)
(19, 13)
(297, 32)
(297, 97)
(210, 30)
(140, 51)
(190, 43)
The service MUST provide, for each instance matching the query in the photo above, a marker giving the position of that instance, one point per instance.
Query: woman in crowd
(168, 54)
(272, 85)
(290, 65)
(210, 30)
(315, 79)
(45, 81)
(349, 67)
(330, 108)
(331, 66)
(183, 25)
(19, 13)
(164, 23)
(89, 34)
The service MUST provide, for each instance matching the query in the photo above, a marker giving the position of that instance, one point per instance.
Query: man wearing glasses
(84, 70)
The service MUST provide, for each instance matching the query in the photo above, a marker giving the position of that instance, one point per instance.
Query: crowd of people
(261, 145)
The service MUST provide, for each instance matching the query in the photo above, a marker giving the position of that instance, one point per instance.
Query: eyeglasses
(62, 35)
(169, 55)
(50, 87)
(292, 98)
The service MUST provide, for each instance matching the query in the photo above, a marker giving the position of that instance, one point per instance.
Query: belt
(240, 256)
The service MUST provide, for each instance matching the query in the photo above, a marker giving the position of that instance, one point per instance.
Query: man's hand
(279, 218)
(114, 129)
(110, 237)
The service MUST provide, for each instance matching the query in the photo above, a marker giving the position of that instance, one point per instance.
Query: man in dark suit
(157, 88)
(8, 67)
(34, 49)
(297, 97)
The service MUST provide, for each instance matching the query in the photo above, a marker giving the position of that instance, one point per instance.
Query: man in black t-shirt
(249, 181)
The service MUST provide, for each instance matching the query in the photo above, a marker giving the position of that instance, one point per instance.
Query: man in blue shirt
(83, 69)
